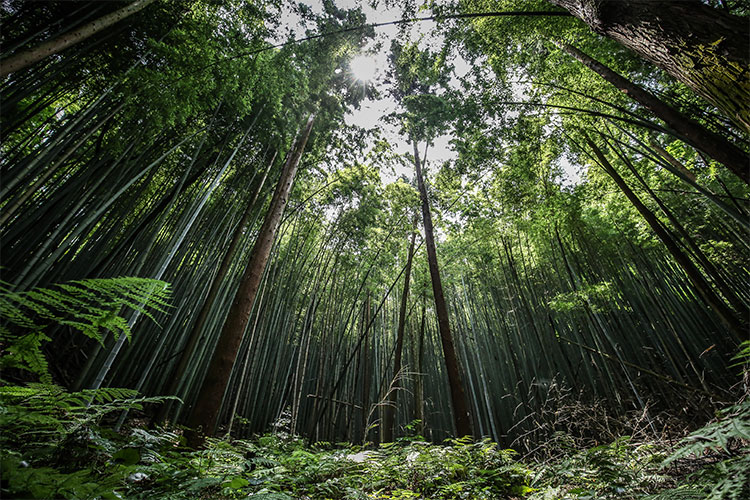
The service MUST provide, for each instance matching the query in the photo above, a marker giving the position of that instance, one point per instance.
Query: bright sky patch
(363, 68)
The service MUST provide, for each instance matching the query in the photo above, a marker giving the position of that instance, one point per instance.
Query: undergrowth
(59, 444)
(147, 464)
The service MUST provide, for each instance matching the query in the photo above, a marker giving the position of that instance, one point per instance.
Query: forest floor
(94, 462)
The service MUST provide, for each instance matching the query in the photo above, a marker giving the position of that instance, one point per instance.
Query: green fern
(729, 478)
(44, 415)
(85, 305)
(26, 353)
(270, 495)
(743, 356)
(262, 463)
(689, 493)
(40, 420)
(47, 414)
(89, 306)
(733, 424)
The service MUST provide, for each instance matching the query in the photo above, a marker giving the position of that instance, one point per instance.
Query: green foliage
(51, 441)
(458, 469)
(726, 438)
(52, 445)
(596, 296)
(743, 356)
(151, 464)
(606, 471)
(90, 307)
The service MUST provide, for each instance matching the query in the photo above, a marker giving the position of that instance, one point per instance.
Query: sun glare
(363, 68)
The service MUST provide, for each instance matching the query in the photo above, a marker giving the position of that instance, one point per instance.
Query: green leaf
(237, 483)
(127, 456)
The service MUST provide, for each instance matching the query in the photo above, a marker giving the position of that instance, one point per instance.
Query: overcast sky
(371, 112)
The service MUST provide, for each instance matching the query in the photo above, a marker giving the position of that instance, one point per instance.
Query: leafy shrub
(51, 445)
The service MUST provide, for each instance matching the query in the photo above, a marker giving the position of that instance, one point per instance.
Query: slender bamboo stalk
(26, 58)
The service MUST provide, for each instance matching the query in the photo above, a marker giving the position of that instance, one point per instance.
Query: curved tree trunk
(206, 411)
(702, 47)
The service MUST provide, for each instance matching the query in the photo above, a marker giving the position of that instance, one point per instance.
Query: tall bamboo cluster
(529, 317)
(125, 154)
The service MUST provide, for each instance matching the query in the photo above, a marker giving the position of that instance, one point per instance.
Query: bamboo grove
(153, 148)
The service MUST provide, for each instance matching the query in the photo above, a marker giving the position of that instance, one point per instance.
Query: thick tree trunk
(461, 416)
(390, 408)
(26, 58)
(197, 330)
(737, 326)
(704, 48)
(694, 133)
(204, 415)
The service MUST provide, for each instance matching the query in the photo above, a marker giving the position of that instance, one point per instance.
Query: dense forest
(473, 249)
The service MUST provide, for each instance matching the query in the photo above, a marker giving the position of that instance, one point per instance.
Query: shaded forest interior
(488, 224)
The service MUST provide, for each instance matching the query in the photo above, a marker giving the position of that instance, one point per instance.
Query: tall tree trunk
(366, 376)
(461, 417)
(738, 326)
(27, 57)
(702, 47)
(204, 415)
(390, 408)
(712, 144)
(196, 332)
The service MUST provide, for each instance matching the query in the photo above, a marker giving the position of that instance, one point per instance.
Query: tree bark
(390, 408)
(33, 55)
(737, 326)
(204, 415)
(197, 330)
(702, 47)
(673, 161)
(695, 134)
(461, 416)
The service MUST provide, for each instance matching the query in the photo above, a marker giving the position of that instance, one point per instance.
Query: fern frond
(690, 493)
(263, 463)
(109, 394)
(270, 496)
(16, 392)
(26, 353)
(734, 423)
(88, 306)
